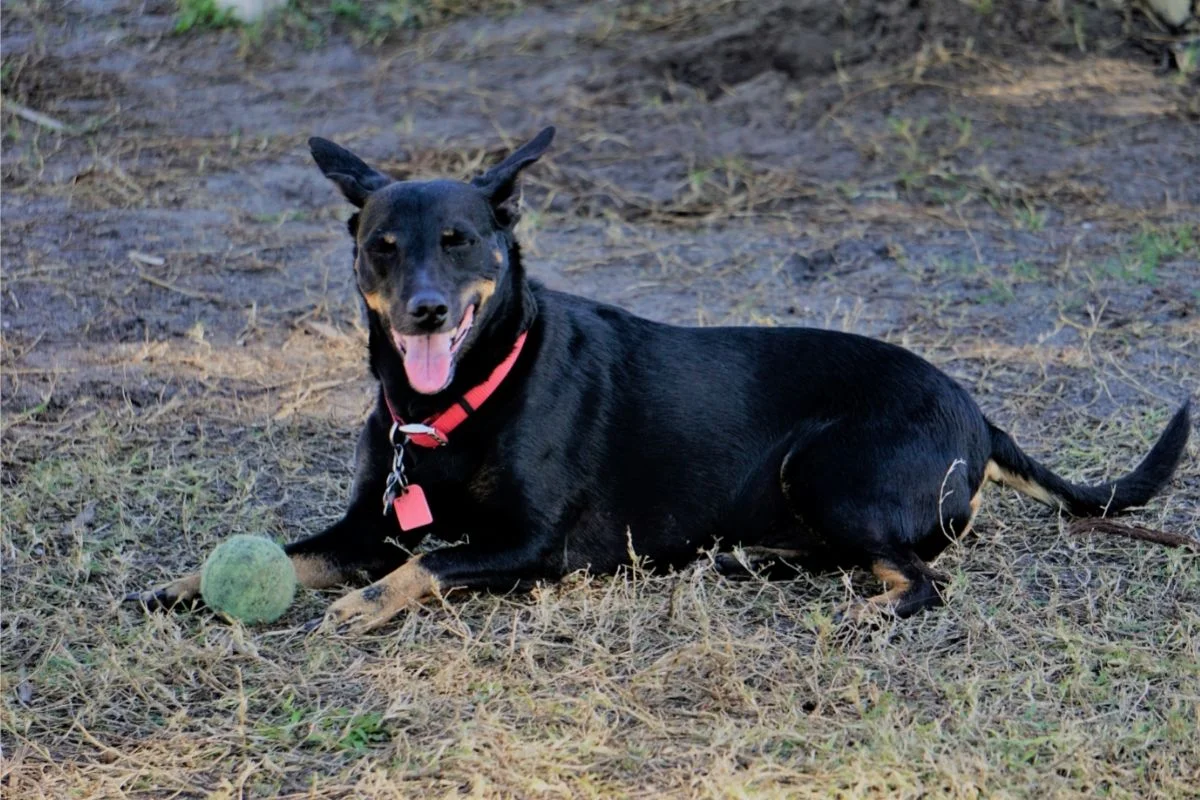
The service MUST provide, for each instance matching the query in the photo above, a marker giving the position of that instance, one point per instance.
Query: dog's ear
(500, 182)
(348, 171)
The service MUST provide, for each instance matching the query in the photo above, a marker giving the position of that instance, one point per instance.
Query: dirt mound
(803, 38)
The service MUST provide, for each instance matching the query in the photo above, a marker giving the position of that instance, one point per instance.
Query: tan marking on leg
(366, 609)
(181, 591)
(316, 572)
(895, 584)
(999, 474)
(185, 588)
(893, 580)
(975, 502)
(772, 552)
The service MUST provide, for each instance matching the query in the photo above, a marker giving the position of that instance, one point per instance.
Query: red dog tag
(412, 509)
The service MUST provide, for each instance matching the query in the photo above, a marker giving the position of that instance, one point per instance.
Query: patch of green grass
(371, 21)
(964, 126)
(1149, 248)
(203, 14)
(1024, 270)
(911, 132)
(1153, 245)
(1187, 60)
(1029, 218)
(999, 292)
(280, 217)
(330, 730)
(349, 10)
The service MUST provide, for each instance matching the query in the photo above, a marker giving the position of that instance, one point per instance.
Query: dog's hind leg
(909, 588)
(776, 542)
(874, 500)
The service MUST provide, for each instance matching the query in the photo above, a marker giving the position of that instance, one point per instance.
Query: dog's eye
(452, 238)
(383, 245)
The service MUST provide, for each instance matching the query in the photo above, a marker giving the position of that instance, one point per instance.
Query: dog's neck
(511, 310)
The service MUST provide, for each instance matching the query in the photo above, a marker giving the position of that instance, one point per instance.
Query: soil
(700, 166)
(1010, 188)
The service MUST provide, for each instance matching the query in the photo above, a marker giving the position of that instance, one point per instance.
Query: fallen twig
(36, 117)
(197, 295)
(1085, 526)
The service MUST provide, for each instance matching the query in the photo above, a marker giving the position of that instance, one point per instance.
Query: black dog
(565, 434)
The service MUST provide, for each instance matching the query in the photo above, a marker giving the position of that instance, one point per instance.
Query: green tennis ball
(249, 578)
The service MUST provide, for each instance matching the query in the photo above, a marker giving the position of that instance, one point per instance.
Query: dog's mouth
(429, 358)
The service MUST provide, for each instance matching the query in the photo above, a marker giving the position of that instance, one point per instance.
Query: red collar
(456, 414)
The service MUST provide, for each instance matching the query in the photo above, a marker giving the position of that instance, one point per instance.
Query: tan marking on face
(390, 238)
(1038, 492)
(366, 609)
(498, 256)
(375, 302)
(483, 288)
(316, 572)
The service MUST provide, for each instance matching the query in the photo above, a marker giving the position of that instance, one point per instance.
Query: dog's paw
(357, 612)
(730, 566)
(182, 594)
(369, 608)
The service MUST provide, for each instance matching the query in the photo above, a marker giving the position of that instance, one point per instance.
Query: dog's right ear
(499, 184)
(348, 171)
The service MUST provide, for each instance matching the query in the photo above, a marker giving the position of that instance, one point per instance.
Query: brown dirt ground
(1009, 188)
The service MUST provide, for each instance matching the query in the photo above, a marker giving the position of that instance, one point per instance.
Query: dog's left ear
(500, 182)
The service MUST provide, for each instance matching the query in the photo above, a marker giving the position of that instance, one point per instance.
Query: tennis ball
(249, 578)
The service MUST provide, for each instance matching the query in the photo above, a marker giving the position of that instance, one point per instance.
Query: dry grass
(185, 361)
(1062, 665)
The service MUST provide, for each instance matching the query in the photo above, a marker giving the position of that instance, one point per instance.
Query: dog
(542, 433)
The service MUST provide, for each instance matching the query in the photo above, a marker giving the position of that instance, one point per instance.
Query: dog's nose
(428, 309)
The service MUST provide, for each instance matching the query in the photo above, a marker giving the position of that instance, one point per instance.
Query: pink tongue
(427, 361)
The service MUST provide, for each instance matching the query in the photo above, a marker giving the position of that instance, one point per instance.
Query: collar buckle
(412, 429)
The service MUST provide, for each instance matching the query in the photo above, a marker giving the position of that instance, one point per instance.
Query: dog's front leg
(428, 575)
(357, 542)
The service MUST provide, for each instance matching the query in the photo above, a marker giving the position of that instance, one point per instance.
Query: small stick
(1082, 526)
(36, 117)
(212, 298)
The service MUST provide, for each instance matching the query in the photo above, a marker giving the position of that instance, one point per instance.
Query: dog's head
(429, 254)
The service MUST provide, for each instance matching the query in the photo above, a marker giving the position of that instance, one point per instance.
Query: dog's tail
(1012, 467)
